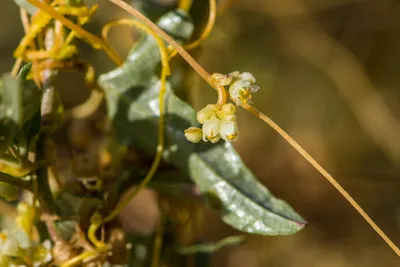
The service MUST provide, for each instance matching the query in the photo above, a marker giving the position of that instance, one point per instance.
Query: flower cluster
(241, 85)
(217, 123)
(16, 247)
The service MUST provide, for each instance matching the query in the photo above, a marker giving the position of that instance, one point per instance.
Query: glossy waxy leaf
(132, 93)
(19, 102)
(217, 169)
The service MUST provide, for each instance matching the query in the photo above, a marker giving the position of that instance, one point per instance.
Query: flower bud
(211, 130)
(193, 134)
(26, 216)
(228, 131)
(223, 117)
(9, 244)
(222, 79)
(205, 113)
(228, 109)
(247, 76)
(234, 74)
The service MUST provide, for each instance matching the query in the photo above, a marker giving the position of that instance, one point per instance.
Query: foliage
(145, 118)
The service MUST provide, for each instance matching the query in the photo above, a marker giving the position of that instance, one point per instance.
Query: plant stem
(18, 182)
(189, 59)
(324, 173)
(44, 191)
(93, 39)
(222, 99)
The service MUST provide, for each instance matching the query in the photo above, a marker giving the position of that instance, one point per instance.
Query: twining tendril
(222, 100)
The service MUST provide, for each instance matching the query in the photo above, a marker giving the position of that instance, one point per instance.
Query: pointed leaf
(133, 106)
(216, 168)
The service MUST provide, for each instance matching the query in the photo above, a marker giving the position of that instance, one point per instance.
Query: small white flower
(9, 244)
(211, 130)
(205, 113)
(26, 216)
(228, 109)
(42, 253)
(193, 134)
(247, 76)
(240, 91)
(228, 131)
(234, 74)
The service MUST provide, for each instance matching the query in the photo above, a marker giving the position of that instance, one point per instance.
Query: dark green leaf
(65, 229)
(216, 168)
(11, 106)
(8, 192)
(77, 207)
(133, 106)
(19, 102)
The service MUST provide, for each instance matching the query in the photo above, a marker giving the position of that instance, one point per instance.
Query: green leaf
(216, 168)
(11, 106)
(133, 106)
(8, 192)
(19, 102)
(65, 229)
(11, 111)
(77, 207)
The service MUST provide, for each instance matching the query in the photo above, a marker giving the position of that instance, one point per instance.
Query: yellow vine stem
(207, 30)
(164, 73)
(158, 243)
(206, 76)
(93, 39)
(185, 4)
(322, 171)
(177, 47)
(76, 260)
(26, 25)
(101, 246)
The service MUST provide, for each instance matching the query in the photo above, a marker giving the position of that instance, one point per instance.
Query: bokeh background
(329, 75)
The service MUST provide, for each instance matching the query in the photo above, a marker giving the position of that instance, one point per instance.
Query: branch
(18, 182)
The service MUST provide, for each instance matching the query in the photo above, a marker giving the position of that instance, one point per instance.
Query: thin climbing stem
(78, 259)
(189, 59)
(221, 95)
(212, 15)
(97, 222)
(324, 173)
(94, 40)
(154, 166)
(185, 4)
(157, 245)
(160, 147)
(26, 25)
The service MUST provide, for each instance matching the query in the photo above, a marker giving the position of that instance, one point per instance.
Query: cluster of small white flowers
(12, 245)
(217, 124)
(220, 122)
(241, 85)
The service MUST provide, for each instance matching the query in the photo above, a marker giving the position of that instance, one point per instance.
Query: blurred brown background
(329, 75)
